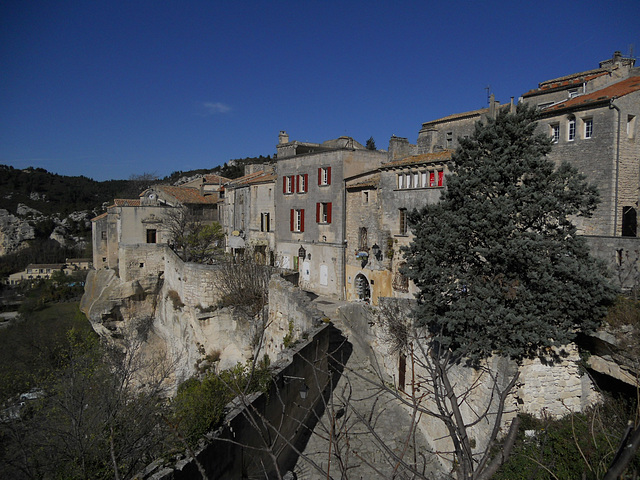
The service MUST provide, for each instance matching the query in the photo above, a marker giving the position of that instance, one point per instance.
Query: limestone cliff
(184, 335)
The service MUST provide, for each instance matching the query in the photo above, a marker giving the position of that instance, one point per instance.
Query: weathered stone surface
(13, 231)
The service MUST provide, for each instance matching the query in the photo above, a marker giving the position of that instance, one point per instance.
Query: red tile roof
(443, 156)
(213, 178)
(603, 95)
(102, 215)
(567, 81)
(127, 202)
(255, 177)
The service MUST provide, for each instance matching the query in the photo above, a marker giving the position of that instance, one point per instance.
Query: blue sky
(108, 89)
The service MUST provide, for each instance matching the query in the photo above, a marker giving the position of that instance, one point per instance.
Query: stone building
(144, 220)
(310, 208)
(249, 214)
(376, 222)
(591, 118)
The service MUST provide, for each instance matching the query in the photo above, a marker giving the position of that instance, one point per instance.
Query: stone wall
(235, 450)
(291, 315)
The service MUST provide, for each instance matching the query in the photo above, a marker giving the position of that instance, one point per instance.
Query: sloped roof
(371, 182)
(102, 215)
(185, 195)
(213, 178)
(603, 95)
(255, 177)
(443, 156)
(567, 81)
(127, 202)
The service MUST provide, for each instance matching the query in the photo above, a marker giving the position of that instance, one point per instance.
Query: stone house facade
(310, 208)
(249, 215)
(591, 118)
(376, 222)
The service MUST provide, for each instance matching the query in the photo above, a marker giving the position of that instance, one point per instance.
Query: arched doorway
(363, 290)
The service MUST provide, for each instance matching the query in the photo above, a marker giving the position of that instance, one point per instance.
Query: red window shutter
(302, 220)
(292, 220)
(306, 182)
(284, 184)
(297, 183)
(328, 175)
(320, 176)
(432, 179)
(318, 206)
(329, 212)
(440, 178)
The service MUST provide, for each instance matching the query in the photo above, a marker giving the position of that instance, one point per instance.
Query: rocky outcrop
(615, 352)
(13, 232)
(189, 338)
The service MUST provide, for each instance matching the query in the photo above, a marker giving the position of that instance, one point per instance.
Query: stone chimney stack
(283, 137)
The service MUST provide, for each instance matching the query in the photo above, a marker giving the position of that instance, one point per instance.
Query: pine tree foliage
(498, 263)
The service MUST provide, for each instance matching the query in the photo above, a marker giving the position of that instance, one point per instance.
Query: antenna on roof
(631, 48)
(488, 89)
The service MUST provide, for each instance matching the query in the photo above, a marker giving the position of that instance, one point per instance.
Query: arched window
(571, 128)
(362, 287)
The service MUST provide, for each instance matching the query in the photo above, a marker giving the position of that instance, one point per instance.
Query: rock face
(13, 231)
(16, 229)
(149, 307)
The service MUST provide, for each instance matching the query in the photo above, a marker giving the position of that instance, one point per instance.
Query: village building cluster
(336, 212)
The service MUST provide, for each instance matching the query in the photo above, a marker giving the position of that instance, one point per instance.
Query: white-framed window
(416, 180)
(407, 180)
(288, 184)
(297, 219)
(588, 127)
(571, 129)
(400, 181)
(303, 183)
(324, 176)
(555, 132)
(323, 212)
(424, 182)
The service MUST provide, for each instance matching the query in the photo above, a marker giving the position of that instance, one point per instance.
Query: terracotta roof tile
(255, 177)
(373, 182)
(443, 156)
(213, 178)
(127, 202)
(603, 95)
(102, 215)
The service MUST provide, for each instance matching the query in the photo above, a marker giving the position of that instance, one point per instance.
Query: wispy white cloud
(213, 108)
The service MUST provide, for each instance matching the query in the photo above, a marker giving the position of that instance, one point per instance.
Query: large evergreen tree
(498, 263)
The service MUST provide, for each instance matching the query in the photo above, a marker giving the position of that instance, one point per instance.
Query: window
(324, 176)
(297, 220)
(288, 184)
(104, 235)
(221, 193)
(588, 127)
(416, 180)
(365, 197)
(432, 178)
(440, 178)
(265, 225)
(555, 132)
(449, 139)
(571, 133)
(400, 181)
(403, 221)
(629, 221)
(424, 179)
(407, 180)
(323, 212)
(631, 126)
(151, 235)
(302, 183)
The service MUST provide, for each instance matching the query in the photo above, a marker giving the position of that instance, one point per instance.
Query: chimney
(283, 137)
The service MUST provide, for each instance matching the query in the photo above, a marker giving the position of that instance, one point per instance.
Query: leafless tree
(191, 237)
